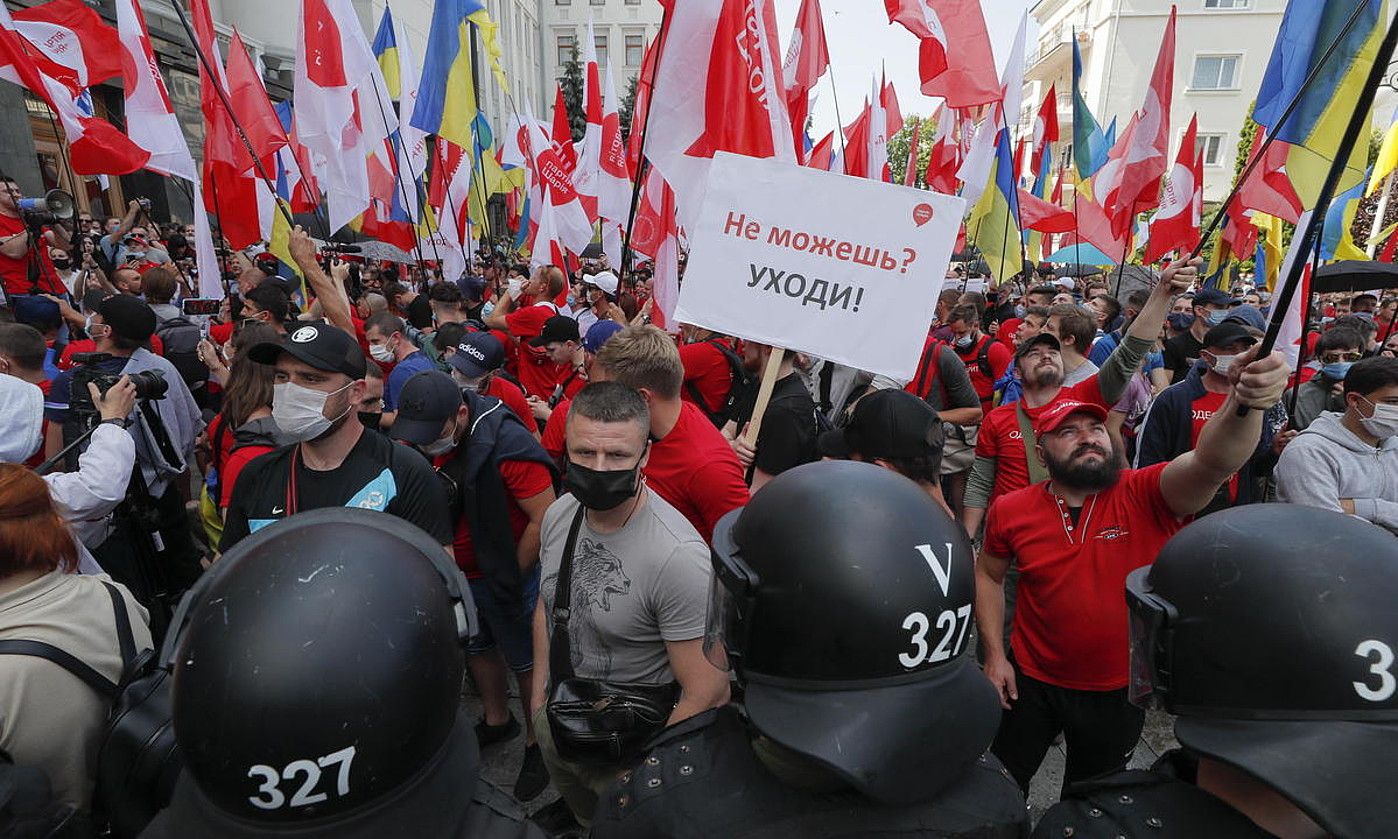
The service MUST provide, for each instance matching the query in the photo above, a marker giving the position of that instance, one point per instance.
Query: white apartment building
(621, 28)
(1221, 49)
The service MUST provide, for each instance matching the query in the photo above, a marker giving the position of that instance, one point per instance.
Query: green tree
(572, 82)
(898, 147)
(627, 108)
(1246, 137)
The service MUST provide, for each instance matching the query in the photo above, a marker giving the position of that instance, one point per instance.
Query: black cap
(478, 354)
(128, 317)
(427, 401)
(320, 345)
(1212, 297)
(1043, 339)
(1227, 333)
(887, 424)
(557, 328)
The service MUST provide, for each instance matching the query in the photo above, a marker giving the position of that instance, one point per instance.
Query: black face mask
(62, 264)
(602, 490)
(371, 419)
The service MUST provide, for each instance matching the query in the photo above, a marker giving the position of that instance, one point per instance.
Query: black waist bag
(596, 722)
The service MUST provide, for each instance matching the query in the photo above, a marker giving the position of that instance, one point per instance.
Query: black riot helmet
(317, 681)
(1271, 630)
(842, 599)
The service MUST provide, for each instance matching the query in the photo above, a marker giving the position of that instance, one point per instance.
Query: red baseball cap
(1058, 413)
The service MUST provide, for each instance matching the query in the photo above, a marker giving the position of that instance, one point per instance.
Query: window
(633, 2)
(567, 48)
(1215, 72)
(599, 2)
(1211, 146)
(1227, 4)
(562, 2)
(635, 50)
(599, 42)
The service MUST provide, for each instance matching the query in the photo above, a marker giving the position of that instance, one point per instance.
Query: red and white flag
(878, 136)
(1175, 226)
(81, 50)
(1147, 153)
(656, 235)
(955, 61)
(807, 59)
(1037, 214)
(95, 146)
(589, 153)
(342, 106)
(1045, 129)
(858, 144)
(614, 178)
(946, 154)
(1268, 188)
(562, 218)
(1292, 331)
(718, 87)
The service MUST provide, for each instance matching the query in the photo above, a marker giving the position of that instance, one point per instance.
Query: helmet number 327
(1381, 668)
(270, 796)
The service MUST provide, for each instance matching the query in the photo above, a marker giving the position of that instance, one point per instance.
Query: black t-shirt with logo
(377, 474)
(789, 427)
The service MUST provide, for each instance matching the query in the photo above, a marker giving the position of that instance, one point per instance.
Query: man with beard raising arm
(1074, 538)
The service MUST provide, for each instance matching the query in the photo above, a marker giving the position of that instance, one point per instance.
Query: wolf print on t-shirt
(597, 576)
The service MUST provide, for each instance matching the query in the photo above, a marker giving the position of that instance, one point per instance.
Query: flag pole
(642, 165)
(1379, 212)
(839, 122)
(1305, 326)
(1271, 137)
(1126, 251)
(232, 117)
(1358, 120)
(393, 161)
(476, 140)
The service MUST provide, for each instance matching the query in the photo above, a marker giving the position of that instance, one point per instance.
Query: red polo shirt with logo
(1070, 622)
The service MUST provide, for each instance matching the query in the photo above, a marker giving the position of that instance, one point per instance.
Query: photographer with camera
(25, 270)
(149, 546)
(129, 239)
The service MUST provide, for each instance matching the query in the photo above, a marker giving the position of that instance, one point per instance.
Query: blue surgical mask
(1180, 321)
(1020, 310)
(1216, 316)
(1336, 371)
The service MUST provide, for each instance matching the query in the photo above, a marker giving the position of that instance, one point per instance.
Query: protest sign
(843, 268)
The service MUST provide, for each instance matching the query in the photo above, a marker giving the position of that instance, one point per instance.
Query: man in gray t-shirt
(639, 581)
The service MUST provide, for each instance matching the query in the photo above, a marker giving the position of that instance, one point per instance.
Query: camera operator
(17, 260)
(149, 546)
(128, 238)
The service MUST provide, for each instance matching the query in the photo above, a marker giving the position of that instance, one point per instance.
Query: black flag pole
(1358, 121)
(624, 269)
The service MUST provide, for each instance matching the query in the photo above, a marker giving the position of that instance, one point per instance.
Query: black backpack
(181, 339)
(137, 762)
(739, 379)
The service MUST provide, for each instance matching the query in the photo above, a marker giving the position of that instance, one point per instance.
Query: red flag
(736, 117)
(1148, 153)
(807, 59)
(910, 170)
(1037, 214)
(95, 146)
(325, 64)
(645, 86)
(1268, 189)
(857, 144)
(563, 133)
(1045, 129)
(1019, 158)
(1175, 227)
(81, 50)
(227, 194)
(252, 107)
(893, 114)
(955, 61)
(946, 155)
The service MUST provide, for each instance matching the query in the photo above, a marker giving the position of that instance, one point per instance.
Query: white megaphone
(55, 202)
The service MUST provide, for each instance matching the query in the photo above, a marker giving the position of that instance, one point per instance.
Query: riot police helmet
(1270, 630)
(842, 599)
(317, 680)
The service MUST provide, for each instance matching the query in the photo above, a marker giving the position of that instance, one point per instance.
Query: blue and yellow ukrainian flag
(994, 223)
(446, 99)
(385, 48)
(1090, 145)
(1314, 129)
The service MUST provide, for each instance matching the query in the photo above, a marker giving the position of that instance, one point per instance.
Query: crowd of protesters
(538, 427)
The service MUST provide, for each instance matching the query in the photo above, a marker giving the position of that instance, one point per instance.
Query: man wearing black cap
(505, 485)
(1177, 416)
(120, 328)
(1210, 307)
(476, 365)
(551, 367)
(897, 431)
(319, 384)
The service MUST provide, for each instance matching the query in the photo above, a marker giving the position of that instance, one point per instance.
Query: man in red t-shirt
(505, 484)
(1001, 464)
(691, 465)
(551, 364)
(708, 372)
(1074, 538)
(15, 242)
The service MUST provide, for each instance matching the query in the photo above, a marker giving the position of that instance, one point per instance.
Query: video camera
(150, 384)
(55, 206)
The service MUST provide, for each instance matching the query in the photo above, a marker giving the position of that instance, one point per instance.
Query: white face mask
(300, 411)
(1222, 364)
(442, 446)
(381, 353)
(1384, 422)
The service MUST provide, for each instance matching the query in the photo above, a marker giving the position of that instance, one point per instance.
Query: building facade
(621, 30)
(1222, 49)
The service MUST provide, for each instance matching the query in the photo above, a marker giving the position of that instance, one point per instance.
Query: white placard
(843, 268)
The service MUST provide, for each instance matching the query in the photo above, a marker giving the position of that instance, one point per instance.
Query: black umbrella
(1354, 275)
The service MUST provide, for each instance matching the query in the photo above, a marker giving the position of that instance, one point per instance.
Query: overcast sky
(861, 38)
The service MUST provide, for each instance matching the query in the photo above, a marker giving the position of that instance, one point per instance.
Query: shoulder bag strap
(38, 649)
(560, 653)
(125, 637)
(1037, 473)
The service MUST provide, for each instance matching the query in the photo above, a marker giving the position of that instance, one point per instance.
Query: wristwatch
(124, 422)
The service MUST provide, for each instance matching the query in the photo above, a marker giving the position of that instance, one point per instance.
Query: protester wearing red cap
(1074, 538)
